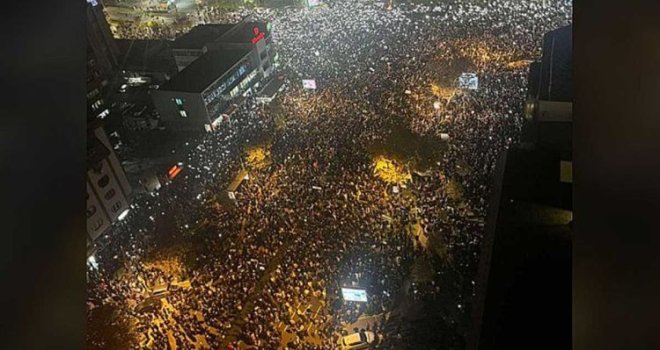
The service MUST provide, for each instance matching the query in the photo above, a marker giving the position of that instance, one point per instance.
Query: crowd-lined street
(313, 215)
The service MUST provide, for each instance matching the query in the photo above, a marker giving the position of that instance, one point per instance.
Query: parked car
(357, 341)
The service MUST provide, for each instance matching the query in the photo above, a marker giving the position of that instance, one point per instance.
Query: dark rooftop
(146, 55)
(244, 32)
(205, 70)
(200, 35)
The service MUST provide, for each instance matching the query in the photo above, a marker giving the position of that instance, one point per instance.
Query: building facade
(549, 110)
(199, 97)
(523, 284)
(102, 61)
(205, 92)
(108, 190)
(219, 65)
(255, 36)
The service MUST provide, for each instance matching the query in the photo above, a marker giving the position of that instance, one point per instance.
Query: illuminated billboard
(174, 171)
(309, 84)
(468, 81)
(353, 294)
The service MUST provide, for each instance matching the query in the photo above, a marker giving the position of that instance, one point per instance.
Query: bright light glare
(123, 214)
(353, 294)
(92, 262)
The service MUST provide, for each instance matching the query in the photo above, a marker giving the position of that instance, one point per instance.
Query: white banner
(309, 84)
(468, 81)
(352, 294)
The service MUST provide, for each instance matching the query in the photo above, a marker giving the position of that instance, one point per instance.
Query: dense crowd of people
(316, 218)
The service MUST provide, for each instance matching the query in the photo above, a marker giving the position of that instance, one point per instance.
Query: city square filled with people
(265, 269)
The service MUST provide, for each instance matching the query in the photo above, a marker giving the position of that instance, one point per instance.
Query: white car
(357, 341)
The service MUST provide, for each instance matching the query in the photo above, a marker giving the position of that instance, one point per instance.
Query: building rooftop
(205, 70)
(200, 35)
(146, 55)
(244, 32)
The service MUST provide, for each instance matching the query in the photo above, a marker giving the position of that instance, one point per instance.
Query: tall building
(102, 60)
(523, 286)
(108, 190)
(102, 51)
(200, 96)
(219, 65)
(549, 119)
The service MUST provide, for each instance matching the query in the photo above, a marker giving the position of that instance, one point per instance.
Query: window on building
(183, 114)
(104, 181)
(91, 211)
(234, 91)
(111, 193)
(103, 114)
(98, 224)
(115, 207)
(92, 93)
(96, 105)
(98, 167)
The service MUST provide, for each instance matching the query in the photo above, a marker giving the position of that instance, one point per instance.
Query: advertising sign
(309, 84)
(468, 81)
(353, 294)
